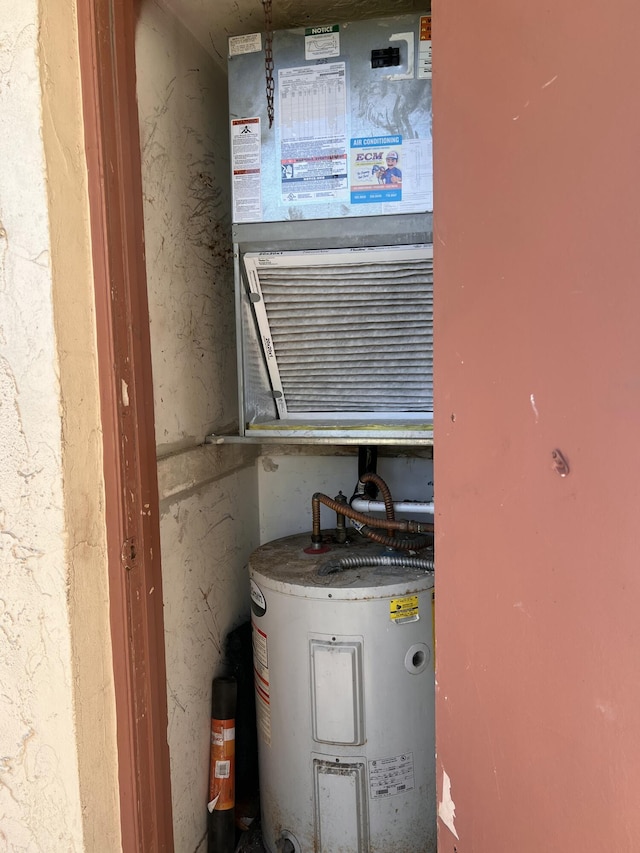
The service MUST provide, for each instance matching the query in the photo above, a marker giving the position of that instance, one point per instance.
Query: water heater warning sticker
(404, 609)
(262, 685)
(389, 776)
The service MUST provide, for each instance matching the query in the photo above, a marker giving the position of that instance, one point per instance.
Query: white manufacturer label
(312, 104)
(389, 776)
(251, 43)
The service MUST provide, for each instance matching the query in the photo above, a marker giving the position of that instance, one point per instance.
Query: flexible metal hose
(394, 542)
(356, 562)
(387, 560)
(366, 520)
(384, 489)
(371, 477)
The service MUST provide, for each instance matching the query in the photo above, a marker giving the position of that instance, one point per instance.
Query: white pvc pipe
(363, 505)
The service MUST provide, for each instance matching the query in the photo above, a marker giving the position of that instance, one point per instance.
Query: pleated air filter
(347, 334)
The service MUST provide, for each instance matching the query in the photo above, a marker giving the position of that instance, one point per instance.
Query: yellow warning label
(404, 609)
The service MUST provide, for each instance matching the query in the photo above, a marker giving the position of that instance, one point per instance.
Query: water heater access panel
(351, 134)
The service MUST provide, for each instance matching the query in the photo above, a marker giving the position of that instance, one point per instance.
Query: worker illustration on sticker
(391, 174)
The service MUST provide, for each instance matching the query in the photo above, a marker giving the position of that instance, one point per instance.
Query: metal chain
(268, 58)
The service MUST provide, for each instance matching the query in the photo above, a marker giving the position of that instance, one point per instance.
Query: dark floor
(251, 840)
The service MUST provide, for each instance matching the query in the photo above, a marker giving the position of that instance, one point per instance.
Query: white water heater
(344, 676)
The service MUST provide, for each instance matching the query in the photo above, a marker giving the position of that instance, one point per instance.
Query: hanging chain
(268, 58)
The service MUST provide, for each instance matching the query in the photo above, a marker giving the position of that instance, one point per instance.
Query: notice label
(321, 42)
(246, 167)
(389, 776)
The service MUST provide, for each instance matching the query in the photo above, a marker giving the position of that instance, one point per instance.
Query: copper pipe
(396, 543)
(390, 524)
(376, 479)
(386, 491)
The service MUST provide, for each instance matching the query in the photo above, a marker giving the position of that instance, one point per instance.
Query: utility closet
(289, 233)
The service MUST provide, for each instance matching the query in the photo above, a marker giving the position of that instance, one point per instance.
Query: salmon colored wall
(537, 153)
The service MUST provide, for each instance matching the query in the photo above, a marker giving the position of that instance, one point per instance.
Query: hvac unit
(332, 210)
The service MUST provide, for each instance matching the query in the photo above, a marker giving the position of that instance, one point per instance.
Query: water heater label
(404, 609)
(260, 656)
(389, 776)
(261, 681)
(258, 601)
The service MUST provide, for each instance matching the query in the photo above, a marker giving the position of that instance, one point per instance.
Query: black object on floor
(239, 664)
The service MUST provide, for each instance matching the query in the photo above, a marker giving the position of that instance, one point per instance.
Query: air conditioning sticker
(392, 171)
(376, 169)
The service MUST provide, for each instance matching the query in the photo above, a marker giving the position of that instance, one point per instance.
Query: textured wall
(207, 537)
(537, 306)
(184, 136)
(209, 522)
(39, 785)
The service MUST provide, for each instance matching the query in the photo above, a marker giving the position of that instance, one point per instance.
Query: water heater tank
(344, 675)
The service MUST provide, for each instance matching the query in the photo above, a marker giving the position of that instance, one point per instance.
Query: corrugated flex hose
(382, 560)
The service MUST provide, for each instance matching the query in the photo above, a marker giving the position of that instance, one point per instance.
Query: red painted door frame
(107, 55)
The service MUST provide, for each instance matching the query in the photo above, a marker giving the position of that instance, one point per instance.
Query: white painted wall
(57, 719)
(287, 482)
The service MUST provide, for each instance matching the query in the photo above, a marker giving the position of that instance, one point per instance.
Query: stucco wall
(57, 727)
